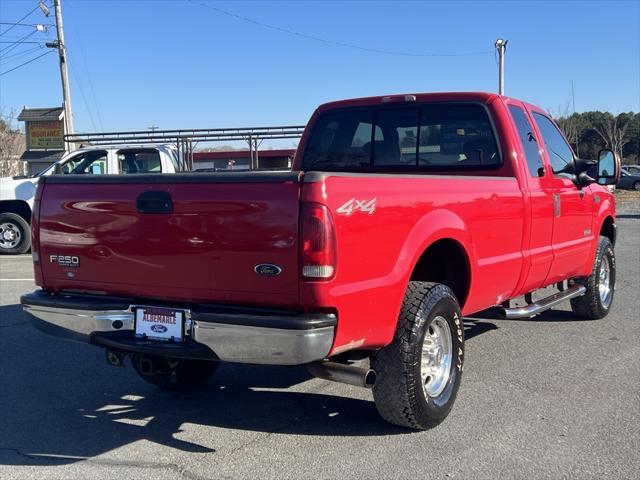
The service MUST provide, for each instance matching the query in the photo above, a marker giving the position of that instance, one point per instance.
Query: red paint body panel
(504, 220)
(206, 250)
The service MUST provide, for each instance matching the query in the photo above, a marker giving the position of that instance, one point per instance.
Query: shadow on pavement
(61, 403)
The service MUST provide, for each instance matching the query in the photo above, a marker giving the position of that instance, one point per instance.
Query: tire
(170, 373)
(15, 234)
(401, 395)
(636, 186)
(597, 301)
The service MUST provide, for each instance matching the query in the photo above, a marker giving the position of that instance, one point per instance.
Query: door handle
(556, 204)
(154, 202)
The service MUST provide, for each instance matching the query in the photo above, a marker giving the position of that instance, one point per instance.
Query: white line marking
(16, 279)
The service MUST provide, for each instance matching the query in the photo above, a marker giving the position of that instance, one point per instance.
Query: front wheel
(15, 234)
(636, 186)
(173, 373)
(597, 300)
(419, 372)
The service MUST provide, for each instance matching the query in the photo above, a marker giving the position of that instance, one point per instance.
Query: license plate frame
(162, 324)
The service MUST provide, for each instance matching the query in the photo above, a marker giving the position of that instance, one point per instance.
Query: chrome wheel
(604, 282)
(10, 235)
(437, 350)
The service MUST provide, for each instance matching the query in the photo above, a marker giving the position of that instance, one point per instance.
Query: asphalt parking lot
(552, 397)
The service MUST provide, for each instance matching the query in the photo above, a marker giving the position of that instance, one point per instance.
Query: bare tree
(11, 147)
(612, 132)
(572, 125)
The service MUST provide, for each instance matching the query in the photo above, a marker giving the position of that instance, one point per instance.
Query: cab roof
(483, 97)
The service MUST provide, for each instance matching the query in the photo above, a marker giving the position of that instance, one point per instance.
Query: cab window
(94, 163)
(528, 140)
(139, 161)
(558, 150)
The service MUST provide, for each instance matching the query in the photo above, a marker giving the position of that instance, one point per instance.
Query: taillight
(317, 242)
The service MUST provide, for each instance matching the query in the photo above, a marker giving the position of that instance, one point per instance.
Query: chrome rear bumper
(260, 337)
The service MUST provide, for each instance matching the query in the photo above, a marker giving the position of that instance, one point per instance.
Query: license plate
(160, 323)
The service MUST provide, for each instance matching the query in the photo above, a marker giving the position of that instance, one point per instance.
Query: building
(44, 136)
(241, 160)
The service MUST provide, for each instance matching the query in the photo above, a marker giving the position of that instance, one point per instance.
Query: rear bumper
(215, 332)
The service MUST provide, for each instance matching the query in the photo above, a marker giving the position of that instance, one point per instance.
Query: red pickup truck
(402, 215)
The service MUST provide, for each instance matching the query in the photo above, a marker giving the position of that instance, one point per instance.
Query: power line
(84, 98)
(26, 63)
(22, 53)
(39, 43)
(18, 22)
(19, 42)
(333, 42)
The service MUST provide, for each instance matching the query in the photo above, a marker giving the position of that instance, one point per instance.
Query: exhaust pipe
(343, 373)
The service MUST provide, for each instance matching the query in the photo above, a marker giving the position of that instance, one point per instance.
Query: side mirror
(57, 169)
(608, 170)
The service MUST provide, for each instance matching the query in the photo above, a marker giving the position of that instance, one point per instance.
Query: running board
(540, 306)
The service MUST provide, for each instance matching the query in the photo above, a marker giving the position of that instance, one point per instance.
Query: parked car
(17, 193)
(402, 215)
(629, 180)
(632, 169)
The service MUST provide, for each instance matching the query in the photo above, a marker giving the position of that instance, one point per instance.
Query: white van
(17, 193)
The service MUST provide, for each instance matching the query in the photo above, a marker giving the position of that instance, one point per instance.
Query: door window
(558, 150)
(94, 163)
(528, 140)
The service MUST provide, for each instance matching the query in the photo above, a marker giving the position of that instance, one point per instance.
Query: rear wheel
(419, 372)
(636, 186)
(15, 234)
(597, 300)
(172, 373)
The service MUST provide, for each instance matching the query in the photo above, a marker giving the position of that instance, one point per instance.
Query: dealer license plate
(160, 323)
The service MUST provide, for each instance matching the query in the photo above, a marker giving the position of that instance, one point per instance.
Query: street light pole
(501, 47)
(64, 75)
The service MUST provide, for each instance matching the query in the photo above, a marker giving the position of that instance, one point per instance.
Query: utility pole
(153, 128)
(501, 47)
(64, 75)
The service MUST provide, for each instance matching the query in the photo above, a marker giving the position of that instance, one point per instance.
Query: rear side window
(528, 140)
(139, 161)
(558, 150)
(439, 136)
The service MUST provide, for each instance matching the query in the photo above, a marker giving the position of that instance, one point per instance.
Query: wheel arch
(440, 250)
(608, 229)
(19, 207)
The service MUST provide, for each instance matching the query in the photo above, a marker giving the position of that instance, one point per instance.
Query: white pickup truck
(17, 193)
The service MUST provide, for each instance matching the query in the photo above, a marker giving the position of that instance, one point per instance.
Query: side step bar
(540, 306)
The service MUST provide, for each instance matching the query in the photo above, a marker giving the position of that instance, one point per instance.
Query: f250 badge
(65, 260)
(353, 205)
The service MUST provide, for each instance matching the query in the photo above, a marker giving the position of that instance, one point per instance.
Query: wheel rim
(10, 235)
(604, 282)
(437, 349)
(636, 186)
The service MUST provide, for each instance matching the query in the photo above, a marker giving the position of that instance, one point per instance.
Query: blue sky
(177, 64)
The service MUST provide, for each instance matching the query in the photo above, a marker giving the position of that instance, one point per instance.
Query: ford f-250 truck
(402, 215)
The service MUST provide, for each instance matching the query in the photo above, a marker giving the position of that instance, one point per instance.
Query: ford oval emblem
(159, 328)
(267, 269)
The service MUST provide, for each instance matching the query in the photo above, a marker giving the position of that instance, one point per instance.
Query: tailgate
(207, 246)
